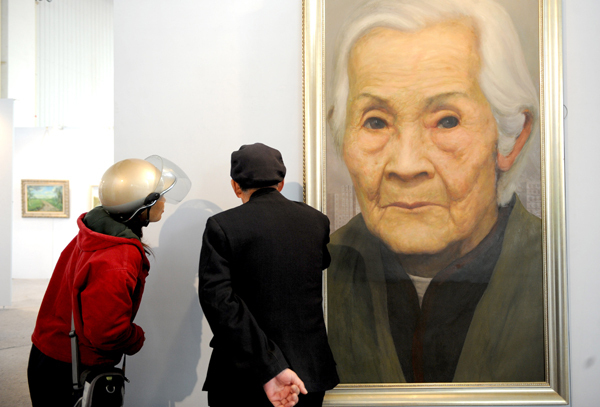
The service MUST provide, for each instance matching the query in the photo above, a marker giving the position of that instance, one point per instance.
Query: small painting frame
(94, 197)
(44, 198)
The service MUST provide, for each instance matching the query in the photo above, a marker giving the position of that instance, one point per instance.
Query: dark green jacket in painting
(504, 341)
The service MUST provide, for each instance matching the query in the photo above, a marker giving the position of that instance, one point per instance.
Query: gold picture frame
(94, 197)
(44, 198)
(555, 389)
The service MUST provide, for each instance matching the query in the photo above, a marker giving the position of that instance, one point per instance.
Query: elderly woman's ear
(505, 162)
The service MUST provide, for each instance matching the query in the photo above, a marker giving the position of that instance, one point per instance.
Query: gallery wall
(78, 155)
(195, 80)
(58, 66)
(581, 82)
(6, 159)
(18, 59)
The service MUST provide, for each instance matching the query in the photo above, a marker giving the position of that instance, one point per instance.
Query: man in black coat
(261, 292)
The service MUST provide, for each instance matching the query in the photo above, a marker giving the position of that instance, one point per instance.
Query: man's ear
(280, 186)
(505, 162)
(236, 188)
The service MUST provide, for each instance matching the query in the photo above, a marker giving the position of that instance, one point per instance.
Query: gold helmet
(132, 185)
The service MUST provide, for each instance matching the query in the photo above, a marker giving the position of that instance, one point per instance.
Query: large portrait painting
(433, 141)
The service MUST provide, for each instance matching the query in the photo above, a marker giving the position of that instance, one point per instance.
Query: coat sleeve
(107, 307)
(232, 323)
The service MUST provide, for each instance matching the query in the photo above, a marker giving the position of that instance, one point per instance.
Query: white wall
(78, 155)
(194, 80)
(6, 149)
(581, 66)
(75, 64)
(57, 62)
(18, 58)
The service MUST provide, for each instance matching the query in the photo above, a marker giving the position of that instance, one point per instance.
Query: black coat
(261, 292)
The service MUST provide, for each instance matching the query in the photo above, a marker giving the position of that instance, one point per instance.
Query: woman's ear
(505, 162)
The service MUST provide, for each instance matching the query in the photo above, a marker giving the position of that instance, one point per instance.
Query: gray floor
(17, 322)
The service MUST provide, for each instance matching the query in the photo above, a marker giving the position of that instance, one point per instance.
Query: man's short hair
(504, 78)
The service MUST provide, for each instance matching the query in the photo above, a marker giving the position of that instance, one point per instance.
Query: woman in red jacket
(99, 278)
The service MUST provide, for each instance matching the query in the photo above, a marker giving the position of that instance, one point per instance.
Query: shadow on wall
(293, 191)
(164, 371)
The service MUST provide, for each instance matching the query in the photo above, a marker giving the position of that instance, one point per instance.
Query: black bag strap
(74, 355)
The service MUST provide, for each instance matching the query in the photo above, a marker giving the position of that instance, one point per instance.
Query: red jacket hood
(90, 241)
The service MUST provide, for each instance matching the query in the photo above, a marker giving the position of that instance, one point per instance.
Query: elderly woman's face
(420, 139)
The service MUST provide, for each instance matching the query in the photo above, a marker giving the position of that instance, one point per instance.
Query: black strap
(74, 355)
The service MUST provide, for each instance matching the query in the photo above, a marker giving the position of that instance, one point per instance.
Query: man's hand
(283, 389)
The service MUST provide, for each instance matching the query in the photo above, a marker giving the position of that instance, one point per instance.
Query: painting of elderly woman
(437, 270)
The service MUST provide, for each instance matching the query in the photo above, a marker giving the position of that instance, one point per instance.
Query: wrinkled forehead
(439, 55)
(419, 39)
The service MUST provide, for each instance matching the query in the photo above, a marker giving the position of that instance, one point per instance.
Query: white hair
(504, 77)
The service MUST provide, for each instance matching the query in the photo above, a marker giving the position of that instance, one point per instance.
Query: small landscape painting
(44, 198)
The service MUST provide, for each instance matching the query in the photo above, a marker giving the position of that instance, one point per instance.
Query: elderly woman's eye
(447, 122)
(375, 123)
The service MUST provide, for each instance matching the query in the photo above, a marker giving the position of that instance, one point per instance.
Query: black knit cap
(256, 166)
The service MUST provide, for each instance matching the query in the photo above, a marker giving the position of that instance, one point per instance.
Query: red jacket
(104, 277)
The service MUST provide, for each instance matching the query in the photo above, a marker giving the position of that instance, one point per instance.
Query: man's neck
(248, 193)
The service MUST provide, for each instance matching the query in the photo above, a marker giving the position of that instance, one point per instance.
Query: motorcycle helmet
(132, 185)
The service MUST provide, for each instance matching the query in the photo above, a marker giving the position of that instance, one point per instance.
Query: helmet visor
(175, 183)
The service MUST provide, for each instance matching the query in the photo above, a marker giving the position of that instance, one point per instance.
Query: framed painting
(44, 198)
(94, 197)
(433, 140)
